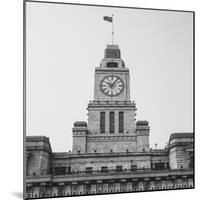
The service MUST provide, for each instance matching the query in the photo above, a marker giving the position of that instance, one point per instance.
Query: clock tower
(111, 126)
(112, 77)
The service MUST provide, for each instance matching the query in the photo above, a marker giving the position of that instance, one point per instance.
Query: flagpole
(112, 29)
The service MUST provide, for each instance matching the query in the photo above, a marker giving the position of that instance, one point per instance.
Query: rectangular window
(60, 170)
(121, 122)
(133, 167)
(112, 122)
(104, 169)
(159, 166)
(119, 168)
(89, 170)
(112, 64)
(102, 122)
(69, 169)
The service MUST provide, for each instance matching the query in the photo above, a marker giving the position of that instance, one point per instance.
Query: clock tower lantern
(111, 123)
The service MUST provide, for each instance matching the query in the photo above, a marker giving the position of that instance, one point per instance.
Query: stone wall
(179, 159)
(79, 142)
(143, 142)
(172, 158)
(38, 163)
(80, 164)
(107, 143)
(79, 137)
(94, 118)
(39, 155)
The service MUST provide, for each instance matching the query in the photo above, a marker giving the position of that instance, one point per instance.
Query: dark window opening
(191, 164)
(60, 170)
(133, 167)
(112, 122)
(167, 165)
(89, 170)
(159, 166)
(121, 122)
(104, 169)
(119, 168)
(69, 169)
(112, 64)
(102, 122)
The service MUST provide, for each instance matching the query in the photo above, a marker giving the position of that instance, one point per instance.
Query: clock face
(112, 85)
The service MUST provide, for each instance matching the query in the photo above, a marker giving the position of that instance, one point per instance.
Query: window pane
(121, 122)
(119, 168)
(60, 170)
(112, 122)
(133, 167)
(88, 170)
(102, 122)
(104, 169)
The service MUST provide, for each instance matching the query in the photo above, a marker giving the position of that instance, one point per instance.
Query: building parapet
(38, 143)
(129, 104)
(142, 127)
(181, 135)
(113, 154)
(80, 124)
(113, 174)
(159, 150)
(180, 139)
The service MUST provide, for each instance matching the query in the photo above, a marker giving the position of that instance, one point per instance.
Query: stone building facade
(110, 152)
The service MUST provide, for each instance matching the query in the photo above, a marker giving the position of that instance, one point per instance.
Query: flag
(109, 19)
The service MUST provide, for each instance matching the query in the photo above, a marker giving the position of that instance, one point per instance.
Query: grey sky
(66, 42)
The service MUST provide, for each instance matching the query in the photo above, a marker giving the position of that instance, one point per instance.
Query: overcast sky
(66, 42)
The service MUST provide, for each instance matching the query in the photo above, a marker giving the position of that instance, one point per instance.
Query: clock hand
(113, 84)
(108, 82)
